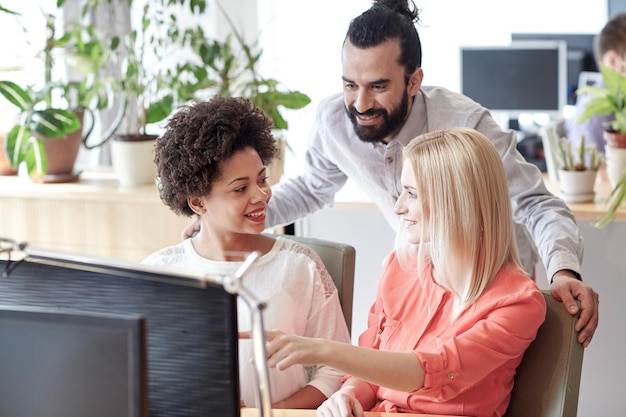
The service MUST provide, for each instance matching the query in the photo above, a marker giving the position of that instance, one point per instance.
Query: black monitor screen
(517, 78)
(191, 323)
(580, 54)
(60, 363)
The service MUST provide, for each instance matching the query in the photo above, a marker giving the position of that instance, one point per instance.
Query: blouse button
(389, 159)
(450, 375)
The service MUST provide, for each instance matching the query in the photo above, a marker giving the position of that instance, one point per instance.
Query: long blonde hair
(466, 208)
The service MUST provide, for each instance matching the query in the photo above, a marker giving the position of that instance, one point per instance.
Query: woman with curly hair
(211, 162)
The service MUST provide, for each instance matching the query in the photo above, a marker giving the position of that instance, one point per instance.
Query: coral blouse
(469, 361)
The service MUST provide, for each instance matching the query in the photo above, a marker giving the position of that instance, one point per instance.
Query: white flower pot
(615, 163)
(133, 161)
(577, 186)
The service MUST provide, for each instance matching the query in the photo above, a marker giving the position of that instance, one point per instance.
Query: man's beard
(391, 122)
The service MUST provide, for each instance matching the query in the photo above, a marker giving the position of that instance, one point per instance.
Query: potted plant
(610, 99)
(233, 64)
(228, 67)
(578, 168)
(48, 133)
(149, 86)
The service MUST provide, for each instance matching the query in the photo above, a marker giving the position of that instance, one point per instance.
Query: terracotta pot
(61, 154)
(615, 139)
(5, 165)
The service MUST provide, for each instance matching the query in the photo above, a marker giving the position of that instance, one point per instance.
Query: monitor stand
(234, 286)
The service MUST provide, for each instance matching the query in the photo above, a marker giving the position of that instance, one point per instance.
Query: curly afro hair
(201, 135)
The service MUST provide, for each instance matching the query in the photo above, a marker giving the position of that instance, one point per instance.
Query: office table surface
(253, 412)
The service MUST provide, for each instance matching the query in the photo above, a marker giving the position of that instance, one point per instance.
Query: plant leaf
(16, 143)
(615, 201)
(160, 110)
(54, 123)
(35, 158)
(22, 146)
(15, 94)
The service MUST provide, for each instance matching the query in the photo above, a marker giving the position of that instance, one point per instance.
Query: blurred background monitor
(528, 77)
(615, 7)
(580, 55)
(191, 323)
(60, 363)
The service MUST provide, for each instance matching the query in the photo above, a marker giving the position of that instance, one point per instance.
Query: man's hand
(567, 289)
(190, 230)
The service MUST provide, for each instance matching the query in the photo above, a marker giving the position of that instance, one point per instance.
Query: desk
(253, 412)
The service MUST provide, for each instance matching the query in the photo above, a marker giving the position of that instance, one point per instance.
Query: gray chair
(339, 259)
(548, 379)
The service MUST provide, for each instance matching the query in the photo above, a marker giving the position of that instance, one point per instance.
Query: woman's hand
(284, 350)
(342, 403)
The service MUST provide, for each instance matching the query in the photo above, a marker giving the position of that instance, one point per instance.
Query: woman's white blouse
(301, 299)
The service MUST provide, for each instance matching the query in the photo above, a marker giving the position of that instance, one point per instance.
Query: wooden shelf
(592, 210)
(94, 216)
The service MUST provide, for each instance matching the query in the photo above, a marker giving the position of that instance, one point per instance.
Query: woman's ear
(197, 205)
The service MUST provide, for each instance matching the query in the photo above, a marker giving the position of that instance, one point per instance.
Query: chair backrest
(339, 259)
(548, 379)
(550, 137)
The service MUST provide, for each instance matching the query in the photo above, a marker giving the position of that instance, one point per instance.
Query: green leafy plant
(150, 87)
(607, 99)
(50, 111)
(229, 67)
(233, 64)
(614, 202)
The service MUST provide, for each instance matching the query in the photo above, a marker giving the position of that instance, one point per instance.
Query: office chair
(339, 259)
(547, 381)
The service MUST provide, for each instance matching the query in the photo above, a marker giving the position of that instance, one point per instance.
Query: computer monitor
(615, 7)
(191, 322)
(580, 54)
(64, 363)
(519, 78)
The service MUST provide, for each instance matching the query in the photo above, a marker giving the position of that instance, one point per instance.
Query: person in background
(454, 311)
(610, 51)
(211, 162)
(360, 134)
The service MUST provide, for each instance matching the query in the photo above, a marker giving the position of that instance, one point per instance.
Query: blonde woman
(454, 311)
